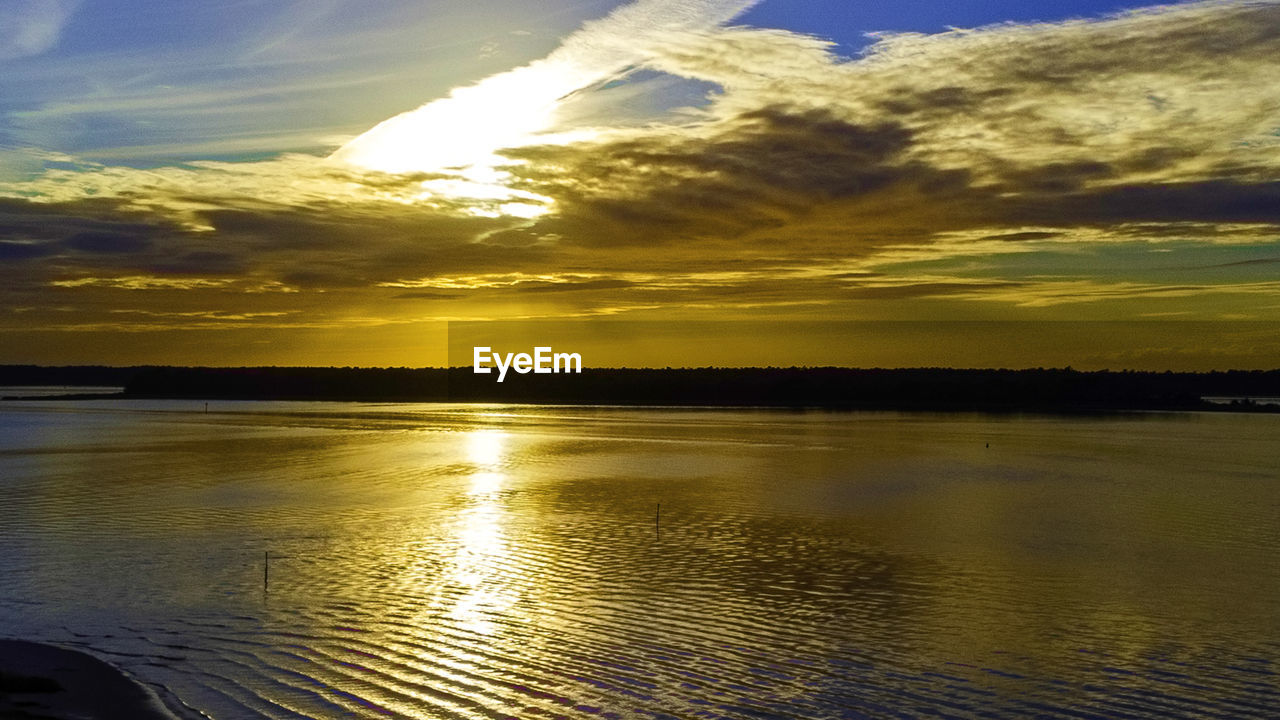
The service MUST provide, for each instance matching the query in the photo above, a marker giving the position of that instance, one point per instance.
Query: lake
(483, 561)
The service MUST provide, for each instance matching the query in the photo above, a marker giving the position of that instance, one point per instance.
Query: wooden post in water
(657, 522)
(266, 562)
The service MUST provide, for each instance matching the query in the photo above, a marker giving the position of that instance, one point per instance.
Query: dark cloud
(1056, 177)
(24, 219)
(107, 242)
(1255, 261)
(906, 100)
(200, 262)
(602, 284)
(317, 246)
(1023, 236)
(917, 290)
(761, 170)
(427, 295)
(25, 251)
(1210, 201)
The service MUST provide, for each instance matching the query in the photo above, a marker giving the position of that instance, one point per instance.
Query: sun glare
(468, 127)
(465, 133)
(461, 136)
(485, 448)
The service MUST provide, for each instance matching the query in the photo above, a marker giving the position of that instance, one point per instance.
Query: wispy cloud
(150, 81)
(32, 27)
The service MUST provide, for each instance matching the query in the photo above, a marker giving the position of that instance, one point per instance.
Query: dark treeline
(71, 375)
(922, 388)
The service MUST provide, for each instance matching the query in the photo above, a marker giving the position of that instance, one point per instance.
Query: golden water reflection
(485, 448)
(483, 555)
(458, 563)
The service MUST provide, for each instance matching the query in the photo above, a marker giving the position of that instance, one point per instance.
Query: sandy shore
(51, 682)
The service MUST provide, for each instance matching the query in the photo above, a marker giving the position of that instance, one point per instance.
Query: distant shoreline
(69, 396)
(911, 389)
(39, 680)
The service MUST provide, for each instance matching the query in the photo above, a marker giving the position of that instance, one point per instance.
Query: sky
(338, 182)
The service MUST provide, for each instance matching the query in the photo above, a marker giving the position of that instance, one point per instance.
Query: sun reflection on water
(483, 551)
(485, 448)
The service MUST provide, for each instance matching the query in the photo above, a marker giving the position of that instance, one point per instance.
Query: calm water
(489, 562)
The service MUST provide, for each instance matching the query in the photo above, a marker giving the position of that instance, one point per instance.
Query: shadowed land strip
(1042, 390)
(46, 681)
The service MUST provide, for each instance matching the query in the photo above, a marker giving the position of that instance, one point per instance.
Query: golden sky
(663, 163)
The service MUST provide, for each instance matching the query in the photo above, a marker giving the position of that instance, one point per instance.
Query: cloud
(765, 168)
(504, 110)
(106, 242)
(140, 87)
(1090, 291)
(32, 27)
(1154, 106)
(1256, 261)
(807, 183)
(14, 251)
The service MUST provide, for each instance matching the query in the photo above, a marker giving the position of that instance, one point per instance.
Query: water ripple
(496, 562)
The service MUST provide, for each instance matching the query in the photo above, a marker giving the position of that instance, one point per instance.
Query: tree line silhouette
(1062, 389)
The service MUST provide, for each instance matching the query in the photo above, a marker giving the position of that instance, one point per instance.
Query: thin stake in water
(657, 520)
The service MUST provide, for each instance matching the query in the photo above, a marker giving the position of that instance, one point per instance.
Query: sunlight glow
(482, 548)
(470, 126)
(485, 448)
(477, 569)
(462, 136)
